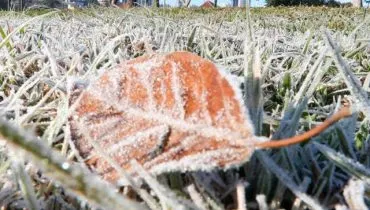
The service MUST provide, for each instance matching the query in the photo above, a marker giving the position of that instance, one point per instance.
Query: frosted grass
(38, 55)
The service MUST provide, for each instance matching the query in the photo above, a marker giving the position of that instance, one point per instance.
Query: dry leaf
(170, 112)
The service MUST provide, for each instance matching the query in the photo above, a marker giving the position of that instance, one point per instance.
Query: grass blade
(352, 167)
(285, 178)
(73, 177)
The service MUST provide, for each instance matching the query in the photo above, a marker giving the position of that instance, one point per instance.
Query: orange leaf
(170, 112)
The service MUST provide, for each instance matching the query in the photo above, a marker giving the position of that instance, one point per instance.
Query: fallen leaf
(170, 112)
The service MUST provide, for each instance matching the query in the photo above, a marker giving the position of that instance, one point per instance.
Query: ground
(295, 66)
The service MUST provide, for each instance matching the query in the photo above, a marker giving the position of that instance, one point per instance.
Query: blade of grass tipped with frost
(307, 83)
(265, 184)
(355, 51)
(191, 38)
(319, 187)
(351, 81)
(341, 207)
(261, 200)
(196, 197)
(240, 194)
(249, 21)
(358, 27)
(367, 83)
(57, 124)
(325, 179)
(32, 81)
(290, 162)
(322, 69)
(73, 177)
(208, 191)
(109, 46)
(215, 52)
(278, 195)
(25, 184)
(354, 194)
(212, 203)
(16, 30)
(166, 196)
(252, 84)
(164, 40)
(68, 140)
(346, 134)
(308, 42)
(303, 187)
(364, 40)
(290, 121)
(347, 164)
(9, 43)
(203, 45)
(52, 61)
(252, 75)
(230, 189)
(33, 109)
(270, 165)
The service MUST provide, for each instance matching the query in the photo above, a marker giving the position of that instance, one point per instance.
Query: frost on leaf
(170, 112)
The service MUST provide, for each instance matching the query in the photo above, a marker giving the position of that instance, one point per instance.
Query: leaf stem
(342, 113)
